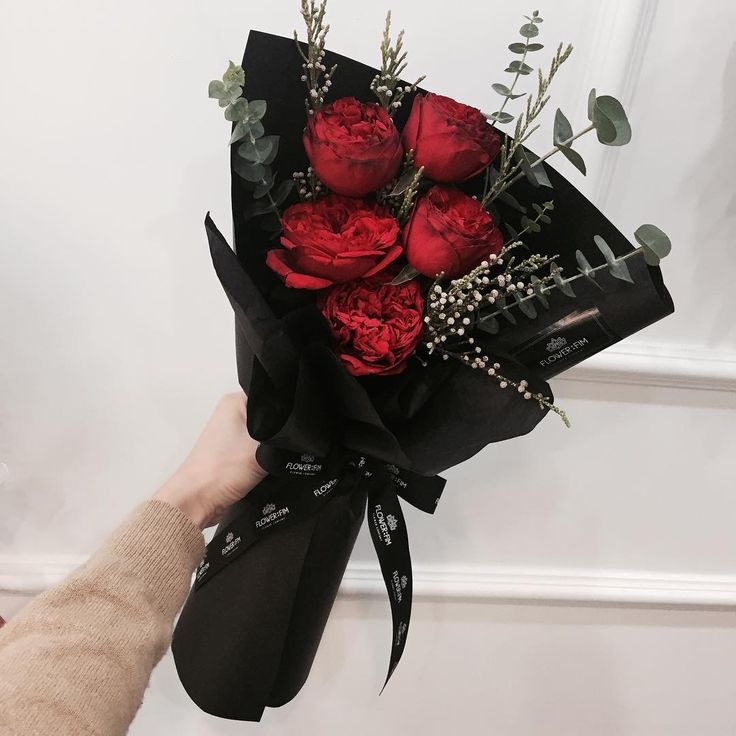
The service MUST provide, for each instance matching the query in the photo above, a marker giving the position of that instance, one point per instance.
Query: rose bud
(333, 240)
(354, 147)
(376, 325)
(452, 141)
(450, 232)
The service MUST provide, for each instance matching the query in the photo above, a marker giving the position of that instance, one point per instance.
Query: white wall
(115, 339)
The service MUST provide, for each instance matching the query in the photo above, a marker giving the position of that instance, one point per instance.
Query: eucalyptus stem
(516, 79)
(546, 290)
(551, 152)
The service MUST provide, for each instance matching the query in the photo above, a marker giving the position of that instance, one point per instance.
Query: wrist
(184, 491)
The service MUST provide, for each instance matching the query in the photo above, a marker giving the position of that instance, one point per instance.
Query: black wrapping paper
(247, 638)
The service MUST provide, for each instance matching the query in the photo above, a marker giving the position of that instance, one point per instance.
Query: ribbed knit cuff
(162, 546)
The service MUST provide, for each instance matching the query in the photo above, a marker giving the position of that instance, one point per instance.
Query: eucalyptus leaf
(403, 183)
(257, 151)
(574, 158)
(530, 225)
(562, 130)
(585, 268)
(561, 283)
(265, 186)
(217, 90)
(489, 325)
(256, 209)
(256, 129)
(518, 48)
(274, 149)
(501, 89)
(535, 47)
(529, 30)
(249, 171)
(234, 75)
(611, 124)
(591, 104)
(257, 110)
(537, 175)
(240, 130)
(519, 67)
(526, 305)
(511, 231)
(507, 198)
(282, 192)
(654, 242)
(616, 267)
(406, 274)
(501, 117)
(237, 111)
(538, 287)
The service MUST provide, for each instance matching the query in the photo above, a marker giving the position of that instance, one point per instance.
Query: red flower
(453, 142)
(354, 147)
(450, 232)
(377, 326)
(333, 240)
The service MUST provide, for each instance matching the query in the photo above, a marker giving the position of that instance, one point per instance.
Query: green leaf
(654, 242)
(574, 158)
(530, 225)
(535, 47)
(585, 268)
(529, 30)
(265, 186)
(217, 90)
(489, 325)
(240, 130)
(537, 175)
(501, 117)
(403, 183)
(282, 192)
(561, 283)
(274, 150)
(249, 171)
(526, 305)
(257, 110)
(501, 89)
(518, 48)
(519, 68)
(257, 129)
(538, 287)
(563, 129)
(257, 151)
(611, 124)
(406, 274)
(507, 198)
(237, 111)
(256, 209)
(234, 75)
(616, 267)
(591, 104)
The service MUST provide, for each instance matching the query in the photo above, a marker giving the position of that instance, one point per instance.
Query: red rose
(452, 141)
(333, 240)
(354, 147)
(376, 325)
(450, 232)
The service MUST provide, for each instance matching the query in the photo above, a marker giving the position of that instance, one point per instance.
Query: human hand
(221, 468)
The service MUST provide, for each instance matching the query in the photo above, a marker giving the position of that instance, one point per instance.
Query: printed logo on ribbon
(381, 525)
(397, 587)
(401, 631)
(404, 581)
(392, 522)
(306, 465)
(231, 544)
(203, 567)
(325, 487)
(271, 516)
(555, 344)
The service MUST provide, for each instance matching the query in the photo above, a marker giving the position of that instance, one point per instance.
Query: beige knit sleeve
(77, 659)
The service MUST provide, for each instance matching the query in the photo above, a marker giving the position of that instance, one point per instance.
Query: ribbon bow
(300, 485)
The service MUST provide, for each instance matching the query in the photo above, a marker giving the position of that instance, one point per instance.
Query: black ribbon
(300, 485)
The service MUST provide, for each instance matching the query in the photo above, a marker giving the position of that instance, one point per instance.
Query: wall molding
(660, 366)
(25, 576)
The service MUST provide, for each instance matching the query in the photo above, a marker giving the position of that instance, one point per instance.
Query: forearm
(77, 659)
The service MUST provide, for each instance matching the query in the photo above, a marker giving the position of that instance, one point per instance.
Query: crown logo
(307, 458)
(404, 581)
(269, 508)
(392, 522)
(555, 344)
(229, 538)
(392, 469)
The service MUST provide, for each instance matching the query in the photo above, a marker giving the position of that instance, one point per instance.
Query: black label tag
(565, 343)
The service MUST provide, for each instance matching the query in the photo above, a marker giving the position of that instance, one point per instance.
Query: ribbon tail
(391, 542)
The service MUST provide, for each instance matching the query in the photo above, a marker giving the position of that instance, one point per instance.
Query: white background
(115, 340)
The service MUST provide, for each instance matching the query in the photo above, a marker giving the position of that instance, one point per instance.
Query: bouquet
(407, 276)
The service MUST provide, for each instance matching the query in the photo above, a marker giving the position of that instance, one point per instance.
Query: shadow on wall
(713, 178)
